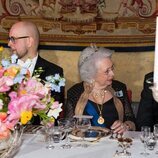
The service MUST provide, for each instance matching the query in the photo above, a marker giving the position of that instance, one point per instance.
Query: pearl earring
(92, 81)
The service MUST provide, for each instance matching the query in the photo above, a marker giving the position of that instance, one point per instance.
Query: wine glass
(83, 123)
(57, 134)
(66, 125)
(151, 142)
(124, 143)
(144, 136)
(155, 133)
(49, 137)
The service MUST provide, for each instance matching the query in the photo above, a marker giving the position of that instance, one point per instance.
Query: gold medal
(100, 97)
(100, 120)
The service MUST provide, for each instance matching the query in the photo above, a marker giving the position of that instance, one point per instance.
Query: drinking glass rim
(83, 116)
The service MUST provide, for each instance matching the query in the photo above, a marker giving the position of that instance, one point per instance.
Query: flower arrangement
(23, 96)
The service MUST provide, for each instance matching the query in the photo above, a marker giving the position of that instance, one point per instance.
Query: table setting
(88, 142)
(34, 145)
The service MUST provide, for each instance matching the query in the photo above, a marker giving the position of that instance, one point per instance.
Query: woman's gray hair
(88, 60)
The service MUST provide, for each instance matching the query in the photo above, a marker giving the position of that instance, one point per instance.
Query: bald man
(23, 41)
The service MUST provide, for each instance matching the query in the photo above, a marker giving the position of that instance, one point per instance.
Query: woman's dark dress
(109, 113)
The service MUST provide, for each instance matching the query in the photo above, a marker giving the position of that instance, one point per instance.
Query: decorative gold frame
(81, 33)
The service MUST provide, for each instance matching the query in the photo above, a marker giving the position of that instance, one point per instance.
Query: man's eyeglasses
(13, 39)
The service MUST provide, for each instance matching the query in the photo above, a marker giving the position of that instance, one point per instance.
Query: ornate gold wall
(80, 22)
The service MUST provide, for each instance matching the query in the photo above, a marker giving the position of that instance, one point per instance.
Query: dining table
(33, 145)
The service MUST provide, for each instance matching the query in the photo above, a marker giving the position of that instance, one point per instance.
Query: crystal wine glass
(58, 134)
(49, 137)
(155, 133)
(124, 143)
(144, 136)
(66, 124)
(83, 123)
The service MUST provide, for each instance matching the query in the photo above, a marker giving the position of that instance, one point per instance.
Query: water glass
(49, 138)
(145, 136)
(155, 131)
(83, 123)
(58, 134)
(151, 142)
(66, 125)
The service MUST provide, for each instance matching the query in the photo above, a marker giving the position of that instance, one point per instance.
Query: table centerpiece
(21, 97)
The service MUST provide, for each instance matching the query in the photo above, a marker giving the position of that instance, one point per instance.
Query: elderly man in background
(24, 41)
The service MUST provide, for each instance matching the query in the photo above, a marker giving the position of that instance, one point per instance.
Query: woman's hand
(119, 127)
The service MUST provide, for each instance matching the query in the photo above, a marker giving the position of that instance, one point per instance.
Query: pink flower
(23, 96)
(33, 86)
(10, 124)
(23, 103)
(5, 83)
(4, 131)
(12, 95)
(1, 71)
(55, 105)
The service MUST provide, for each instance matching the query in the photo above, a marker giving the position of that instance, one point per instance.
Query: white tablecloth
(33, 146)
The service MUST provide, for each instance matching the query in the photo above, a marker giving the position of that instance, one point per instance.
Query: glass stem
(67, 139)
(145, 147)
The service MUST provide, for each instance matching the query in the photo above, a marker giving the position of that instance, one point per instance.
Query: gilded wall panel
(80, 22)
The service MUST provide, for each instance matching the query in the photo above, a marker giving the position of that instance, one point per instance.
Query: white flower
(49, 78)
(56, 82)
(62, 82)
(55, 88)
(1, 104)
(14, 58)
(57, 77)
(54, 112)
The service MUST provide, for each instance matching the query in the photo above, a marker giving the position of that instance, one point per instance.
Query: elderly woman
(95, 95)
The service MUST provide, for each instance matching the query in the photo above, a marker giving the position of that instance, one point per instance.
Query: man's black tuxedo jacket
(49, 69)
(147, 114)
